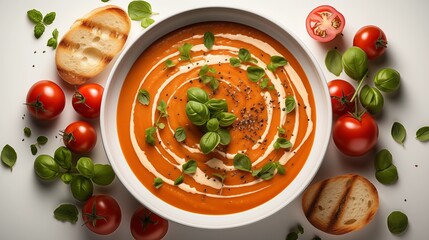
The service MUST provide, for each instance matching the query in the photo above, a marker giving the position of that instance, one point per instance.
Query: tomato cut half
(324, 23)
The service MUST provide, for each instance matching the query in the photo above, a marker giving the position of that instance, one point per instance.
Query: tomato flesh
(355, 137)
(324, 23)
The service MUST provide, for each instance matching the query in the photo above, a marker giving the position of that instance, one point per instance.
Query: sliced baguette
(340, 204)
(91, 43)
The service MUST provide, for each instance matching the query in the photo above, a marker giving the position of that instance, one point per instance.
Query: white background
(26, 204)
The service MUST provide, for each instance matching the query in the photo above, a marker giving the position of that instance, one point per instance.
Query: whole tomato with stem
(341, 93)
(355, 135)
(147, 225)
(372, 40)
(87, 100)
(324, 23)
(45, 100)
(101, 214)
(80, 137)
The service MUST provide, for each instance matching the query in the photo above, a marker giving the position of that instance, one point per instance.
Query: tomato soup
(278, 105)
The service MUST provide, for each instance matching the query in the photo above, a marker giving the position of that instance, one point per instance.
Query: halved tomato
(324, 23)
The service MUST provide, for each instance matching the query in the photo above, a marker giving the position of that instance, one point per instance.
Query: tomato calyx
(93, 217)
(343, 100)
(146, 220)
(37, 105)
(380, 43)
(80, 98)
(69, 137)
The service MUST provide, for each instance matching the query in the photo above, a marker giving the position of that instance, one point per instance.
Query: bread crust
(340, 204)
(91, 43)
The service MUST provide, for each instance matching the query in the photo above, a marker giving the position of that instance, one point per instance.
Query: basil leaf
(355, 63)
(52, 42)
(226, 119)
(157, 182)
(185, 51)
(143, 97)
(266, 172)
(242, 162)
(281, 130)
(197, 113)
(63, 156)
(235, 62)
(66, 178)
(81, 188)
(66, 213)
(149, 135)
(42, 140)
(209, 142)
(244, 55)
(180, 134)
(49, 18)
(55, 33)
(46, 167)
(423, 134)
(333, 62)
(388, 175)
(39, 29)
(292, 236)
(27, 131)
(212, 125)
(179, 180)
(137, 10)
(33, 149)
(209, 40)
(398, 132)
(217, 105)
(397, 222)
(280, 168)
(276, 62)
(146, 22)
(162, 108)
(8, 156)
(264, 83)
(371, 99)
(169, 63)
(383, 160)
(103, 174)
(255, 73)
(189, 167)
(160, 125)
(290, 104)
(225, 136)
(35, 15)
(85, 166)
(197, 94)
(282, 143)
(387, 80)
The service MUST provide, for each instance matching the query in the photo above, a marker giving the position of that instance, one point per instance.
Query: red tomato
(353, 136)
(372, 40)
(341, 93)
(324, 23)
(87, 100)
(45, 100)
(147, 225)
(80, 137)
(101, 214)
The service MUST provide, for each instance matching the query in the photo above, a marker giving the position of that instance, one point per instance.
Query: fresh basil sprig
(185, 52)
(41, 21)
(206, 76)
(189, 167)
(141, 11)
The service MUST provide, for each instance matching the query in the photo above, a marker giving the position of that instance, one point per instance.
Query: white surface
(108, 120)
(26, 204)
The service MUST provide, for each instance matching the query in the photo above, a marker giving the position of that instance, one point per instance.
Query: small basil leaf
(157, 182)
(388, 175)
(209, 142)
(143, 97)
(282, 143)
(49, 18)
(103, 174)
(33, 149)
(244, 55)
(226, 119)
(66, 213)
(290, 104)
(35, 16)
(180, 134)
(276, 62)
(235, 62)
(387, 80)
(169, 63)
(85, 166)
(42, 140)
(333, 62)
(66, 177)
(212, 125)
(185, 51)
(146, 22)
(8, 156)
(197, 94)
(189, 167)
(149, 135)
(225, 136)
(371, 99)
(179, 180)
(81, 188)
(137, 10)
(197, 113)
(46, 167)
(209, 40)
(242, 162)
(355, 63)
(399, 133)
(267, 171)
(422, 134)
(39, 29)
(27, 131)
(63, 156)
(217, 105)
(255, 73)
(397, 222)
(383, 160)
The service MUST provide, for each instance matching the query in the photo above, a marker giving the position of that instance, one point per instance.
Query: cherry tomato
(355, 136)
(80, 137)
(147, 225)
(87, 100)
(324, 23)
(101, 214)
(45, 100)
(372, 40)
(341, 93)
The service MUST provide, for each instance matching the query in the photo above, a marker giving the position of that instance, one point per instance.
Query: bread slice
(340, 204)
(91, 43)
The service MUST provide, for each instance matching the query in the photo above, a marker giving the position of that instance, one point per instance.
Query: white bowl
(129, 56)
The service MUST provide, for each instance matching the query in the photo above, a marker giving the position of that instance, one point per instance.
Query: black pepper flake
(33, 65)
(405, 199)
(23, 139)
(35, 52)
(175, 97)
(416, 165)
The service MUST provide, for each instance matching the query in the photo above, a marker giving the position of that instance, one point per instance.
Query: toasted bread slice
(340, 204)
(91, 43)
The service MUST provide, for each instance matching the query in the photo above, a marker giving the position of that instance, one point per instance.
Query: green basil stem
(359, 87)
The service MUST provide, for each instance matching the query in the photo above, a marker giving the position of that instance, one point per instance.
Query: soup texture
(258, 155)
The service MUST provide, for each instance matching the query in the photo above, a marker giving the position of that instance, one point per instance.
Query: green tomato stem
(359, 87)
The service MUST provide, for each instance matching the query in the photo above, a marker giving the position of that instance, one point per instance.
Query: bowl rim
(173, 213)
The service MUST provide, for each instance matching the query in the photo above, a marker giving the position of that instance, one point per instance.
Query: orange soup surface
(274, 126)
